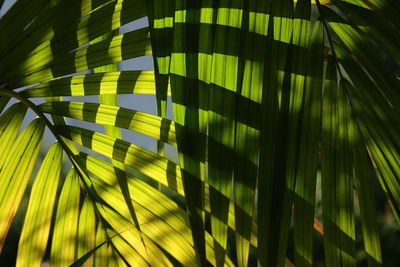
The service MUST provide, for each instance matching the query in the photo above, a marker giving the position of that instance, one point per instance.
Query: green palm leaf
(267, 97)
(36, 230)
(16, 172)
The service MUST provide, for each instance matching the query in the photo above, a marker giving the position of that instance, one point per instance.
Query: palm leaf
(266, 97)
(36, 228)
(18, 166)
(65, 231)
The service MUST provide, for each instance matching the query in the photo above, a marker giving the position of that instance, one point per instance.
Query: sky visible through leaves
(144, 103)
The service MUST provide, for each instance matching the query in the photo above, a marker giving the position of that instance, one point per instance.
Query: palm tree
(267, 98)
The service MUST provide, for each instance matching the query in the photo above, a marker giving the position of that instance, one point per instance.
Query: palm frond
(267, 98)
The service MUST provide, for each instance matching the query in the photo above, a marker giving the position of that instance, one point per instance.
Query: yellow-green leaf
(36, 228)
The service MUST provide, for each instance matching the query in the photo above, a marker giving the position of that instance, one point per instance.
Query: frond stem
(329, 37)
(70, 154)
(41, 115)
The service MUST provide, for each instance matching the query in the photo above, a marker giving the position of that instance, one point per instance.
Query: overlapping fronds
(267, 98)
